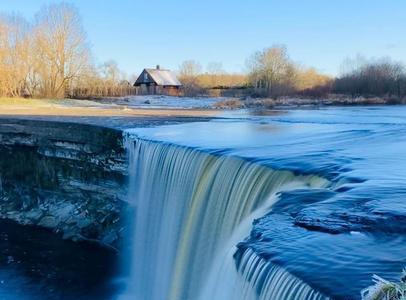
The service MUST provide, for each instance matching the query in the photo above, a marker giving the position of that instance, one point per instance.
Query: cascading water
(192, 207)
(272, 282)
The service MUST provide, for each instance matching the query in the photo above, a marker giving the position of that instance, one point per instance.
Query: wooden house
(157, 82)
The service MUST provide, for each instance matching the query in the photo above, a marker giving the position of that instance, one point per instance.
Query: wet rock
(69, 233)
(341, 222)
(69, 178)
(34, 215)
(83, 223)
(92, 231)
(110, 238)
(329, 225)
(48, 222)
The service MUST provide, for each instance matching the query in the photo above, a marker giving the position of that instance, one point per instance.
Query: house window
(145, 77)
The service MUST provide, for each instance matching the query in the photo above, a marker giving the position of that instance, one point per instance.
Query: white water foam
(192, 207)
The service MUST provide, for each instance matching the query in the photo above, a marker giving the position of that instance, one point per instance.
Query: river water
(255, 205)
(302, 204)
(36, 264)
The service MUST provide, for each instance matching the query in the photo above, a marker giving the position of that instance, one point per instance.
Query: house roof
(163, 77)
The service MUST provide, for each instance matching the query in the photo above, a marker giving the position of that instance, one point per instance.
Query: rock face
(69, 178)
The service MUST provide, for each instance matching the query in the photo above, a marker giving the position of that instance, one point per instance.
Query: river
(298, 204)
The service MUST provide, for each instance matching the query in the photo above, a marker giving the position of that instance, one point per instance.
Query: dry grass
(262, 103)
(229, 104)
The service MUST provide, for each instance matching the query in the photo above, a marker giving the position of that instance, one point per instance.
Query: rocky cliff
(70, 178)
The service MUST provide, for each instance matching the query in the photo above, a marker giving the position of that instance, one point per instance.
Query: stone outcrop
(70, 178)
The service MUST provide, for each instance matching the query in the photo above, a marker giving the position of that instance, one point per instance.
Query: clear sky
(319, 33)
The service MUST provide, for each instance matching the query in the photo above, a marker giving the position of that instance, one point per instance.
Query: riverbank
(291, 102)
(76, 171)
(167, 106)
(65, 178)
(328, 237)
(87, 108)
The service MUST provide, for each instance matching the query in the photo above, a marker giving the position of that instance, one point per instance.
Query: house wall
(171, 91)
(153, 89)
(147, 89)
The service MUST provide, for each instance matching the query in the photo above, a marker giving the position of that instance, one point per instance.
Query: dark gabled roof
(161, 77)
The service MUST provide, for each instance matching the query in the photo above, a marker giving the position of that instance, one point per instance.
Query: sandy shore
(91, 111)
(99, 114)
(22, 107)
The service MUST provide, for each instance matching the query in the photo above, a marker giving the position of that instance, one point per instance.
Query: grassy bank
(105, 106)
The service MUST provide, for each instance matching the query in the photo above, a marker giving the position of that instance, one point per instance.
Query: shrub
(229, 104)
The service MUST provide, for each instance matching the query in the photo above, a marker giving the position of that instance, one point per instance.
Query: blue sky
(319, 33)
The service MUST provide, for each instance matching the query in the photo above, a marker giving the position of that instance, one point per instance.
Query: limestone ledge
(69, 178)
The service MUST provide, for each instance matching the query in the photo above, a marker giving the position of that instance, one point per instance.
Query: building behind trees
(157, 81)
(50, 57)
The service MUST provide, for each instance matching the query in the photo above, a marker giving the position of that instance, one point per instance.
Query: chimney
(158, 67)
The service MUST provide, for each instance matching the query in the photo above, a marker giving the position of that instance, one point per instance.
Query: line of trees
(197, 82)
(375, 77)
(50, 57)
(271, 72)
(106, 80)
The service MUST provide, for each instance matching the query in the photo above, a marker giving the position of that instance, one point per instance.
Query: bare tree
(215, 68)
(375, 77)
(14, 54)
(61, 48)
(188, 75)
(111, 72)
(105, 81)
(51, 58)
(351, 64)
(215, 71)
(271, 70)
(189, 68)
(310, 82)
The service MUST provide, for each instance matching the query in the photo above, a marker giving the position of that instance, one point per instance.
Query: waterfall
(189, 207)
(270, 281)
